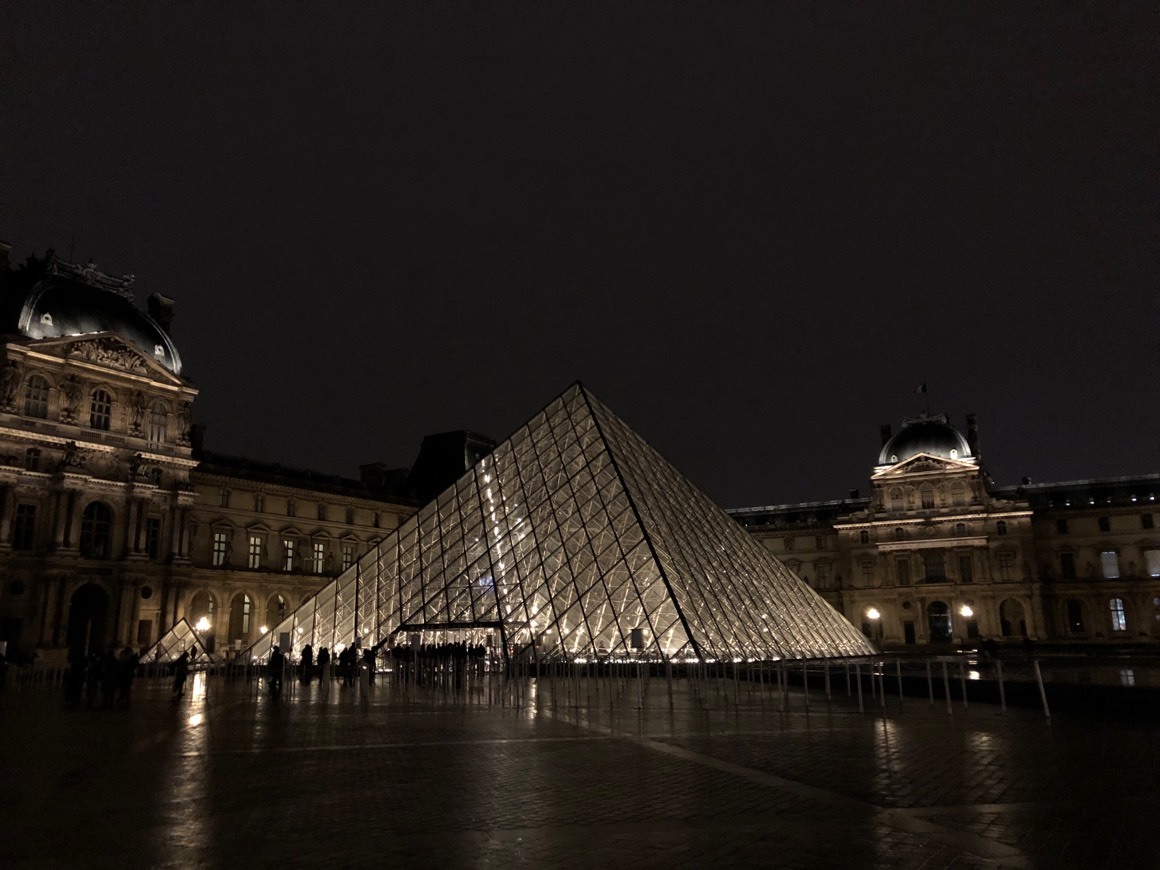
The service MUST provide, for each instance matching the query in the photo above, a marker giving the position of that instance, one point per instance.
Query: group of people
(436, 661)
(346, 666)
(108, 677)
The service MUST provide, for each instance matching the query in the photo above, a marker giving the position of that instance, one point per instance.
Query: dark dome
(932, 435)
(59, 306)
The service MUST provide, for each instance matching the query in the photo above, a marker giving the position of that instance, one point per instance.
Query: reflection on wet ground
(566, 772)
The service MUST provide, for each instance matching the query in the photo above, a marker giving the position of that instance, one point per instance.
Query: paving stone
(578, 774)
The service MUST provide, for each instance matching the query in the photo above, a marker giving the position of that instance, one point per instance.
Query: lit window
(220, 548)
(100, 410)
(36, 397)
(287, 554)
(254, 553)
(347, 556)
(318, 557)
(1119, 619)
(1110, 562)
(1152, 560)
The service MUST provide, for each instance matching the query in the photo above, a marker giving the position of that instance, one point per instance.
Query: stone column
(72, 521)
(59, 515)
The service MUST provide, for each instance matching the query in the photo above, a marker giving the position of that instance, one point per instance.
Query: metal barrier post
(1042, 691)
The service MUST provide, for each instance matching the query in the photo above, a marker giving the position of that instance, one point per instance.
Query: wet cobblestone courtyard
(566, 773)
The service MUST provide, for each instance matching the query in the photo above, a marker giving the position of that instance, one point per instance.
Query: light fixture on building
(263, 629)
(873, 613)
(966, 611)
(202, 625)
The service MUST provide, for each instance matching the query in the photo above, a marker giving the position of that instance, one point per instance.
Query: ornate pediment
(925, 463)
(109, 351)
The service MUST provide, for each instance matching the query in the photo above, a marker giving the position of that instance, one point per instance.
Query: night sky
(752, 229)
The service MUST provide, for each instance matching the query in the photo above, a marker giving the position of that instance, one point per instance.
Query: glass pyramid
(181, 638)
(574, 539)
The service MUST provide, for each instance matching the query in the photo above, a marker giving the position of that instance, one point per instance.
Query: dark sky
(751, 228)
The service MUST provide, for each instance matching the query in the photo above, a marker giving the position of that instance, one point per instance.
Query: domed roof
(931, 435)
(68, 300)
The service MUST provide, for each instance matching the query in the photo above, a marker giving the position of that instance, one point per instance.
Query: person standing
(180, 674)
(324, 666)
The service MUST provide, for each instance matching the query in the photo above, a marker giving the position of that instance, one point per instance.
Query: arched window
(275, 611)
(158, 422)
(36, 397)
(202, 606)
(1119, 619)
(241, 611)
(1011, 620)
(96, 531)
(100, 410)
(899, 534)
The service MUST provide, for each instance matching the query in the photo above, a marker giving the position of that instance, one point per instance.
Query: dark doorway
(939, 616)
(908, 630)
(88, 616)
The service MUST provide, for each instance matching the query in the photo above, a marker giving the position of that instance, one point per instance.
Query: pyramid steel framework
(575, 539)
(181, 638)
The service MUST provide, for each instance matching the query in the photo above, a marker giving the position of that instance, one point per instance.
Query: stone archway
(88, 621)
(939, 622)
(1012, 622)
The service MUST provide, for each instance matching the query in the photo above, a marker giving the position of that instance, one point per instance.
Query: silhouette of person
(180, 674)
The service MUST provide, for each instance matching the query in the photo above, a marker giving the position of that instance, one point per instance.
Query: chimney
(884, 430)
(972, 434)
(161, 309)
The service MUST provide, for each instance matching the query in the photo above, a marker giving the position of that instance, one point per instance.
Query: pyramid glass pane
(573, 534)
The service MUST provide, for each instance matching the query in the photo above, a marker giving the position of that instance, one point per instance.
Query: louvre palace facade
(938, 554)
(115, 524)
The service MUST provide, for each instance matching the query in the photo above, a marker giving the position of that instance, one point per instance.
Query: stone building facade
(113, 526)
(938, 554)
